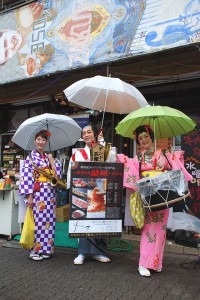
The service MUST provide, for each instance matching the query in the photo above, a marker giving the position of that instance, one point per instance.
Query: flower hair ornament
(48, 133)
(148, 128)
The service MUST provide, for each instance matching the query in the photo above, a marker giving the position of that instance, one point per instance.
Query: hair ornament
(48, 133)
(148, 128)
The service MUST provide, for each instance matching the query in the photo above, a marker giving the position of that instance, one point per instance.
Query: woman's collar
(42, 155)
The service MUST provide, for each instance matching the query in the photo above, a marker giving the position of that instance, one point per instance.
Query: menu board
(96, 199)
(191, 146)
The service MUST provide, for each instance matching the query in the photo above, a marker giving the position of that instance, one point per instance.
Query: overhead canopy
(165, 80)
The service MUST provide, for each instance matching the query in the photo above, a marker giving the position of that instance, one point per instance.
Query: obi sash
(151, 173)
(42, 177)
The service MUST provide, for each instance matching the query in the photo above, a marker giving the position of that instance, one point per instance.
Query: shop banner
(96, 199)
(191, 146)
(48, 36)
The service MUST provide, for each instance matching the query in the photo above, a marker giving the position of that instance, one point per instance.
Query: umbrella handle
(100, 132)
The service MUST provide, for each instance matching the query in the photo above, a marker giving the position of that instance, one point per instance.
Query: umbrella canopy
(64, 130)
(105, 94)
(164, 120)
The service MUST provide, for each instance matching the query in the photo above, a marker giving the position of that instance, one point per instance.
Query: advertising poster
(191, 146)
(46, 36)
(96, 199)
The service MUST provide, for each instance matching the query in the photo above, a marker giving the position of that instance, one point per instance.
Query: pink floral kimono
(154, 231)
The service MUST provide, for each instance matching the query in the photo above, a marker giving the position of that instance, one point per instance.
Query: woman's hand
(30, 200)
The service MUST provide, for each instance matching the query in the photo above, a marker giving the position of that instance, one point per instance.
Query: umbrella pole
(49, 137)
(49, 145)
(102, 120)
(104, 110)
(105, 100)
(154, 130)
(112, 128)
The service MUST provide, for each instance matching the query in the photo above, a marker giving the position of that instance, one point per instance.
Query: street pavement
(58, 279)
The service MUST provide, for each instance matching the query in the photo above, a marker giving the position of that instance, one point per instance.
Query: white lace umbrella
(64, 130)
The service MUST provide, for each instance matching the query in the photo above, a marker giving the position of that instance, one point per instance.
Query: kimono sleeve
(77, 157)
(176, 160)
(26, 178)
(58, 169)
(131, 174)
(69, 174)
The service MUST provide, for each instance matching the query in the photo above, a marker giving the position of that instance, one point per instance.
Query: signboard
(51, 36)
(97, 153)
(96, 199)
(191, 146)
(48, 36)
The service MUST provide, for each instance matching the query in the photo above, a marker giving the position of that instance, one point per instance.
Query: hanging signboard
(46, 36)
(96, 199)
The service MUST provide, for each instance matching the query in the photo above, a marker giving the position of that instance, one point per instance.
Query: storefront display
(10, 158)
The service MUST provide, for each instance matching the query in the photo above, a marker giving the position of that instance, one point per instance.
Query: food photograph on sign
(97, 199)
(89, 198)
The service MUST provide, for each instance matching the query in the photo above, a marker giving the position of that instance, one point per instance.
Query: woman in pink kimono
(147, 163)
(40, 195)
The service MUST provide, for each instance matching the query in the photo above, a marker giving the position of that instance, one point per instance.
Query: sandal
(46, 256)
(35, 256)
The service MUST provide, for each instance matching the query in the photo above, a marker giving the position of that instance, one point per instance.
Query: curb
(170, 245)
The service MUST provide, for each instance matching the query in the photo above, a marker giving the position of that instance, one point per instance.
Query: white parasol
(64, 131)
(105, 94)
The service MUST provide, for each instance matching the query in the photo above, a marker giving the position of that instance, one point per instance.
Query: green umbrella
(164, 120)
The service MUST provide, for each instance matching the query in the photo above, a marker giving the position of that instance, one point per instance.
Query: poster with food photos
(96, 199)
